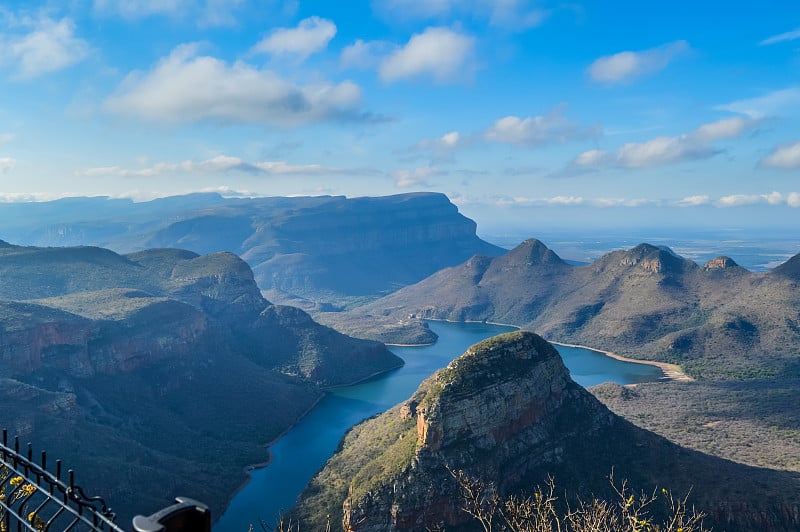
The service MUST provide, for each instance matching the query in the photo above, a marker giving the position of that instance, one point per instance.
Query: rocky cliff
(159, 368)
(39, 336)
(99, 312)
(313, 251)
(507, 412)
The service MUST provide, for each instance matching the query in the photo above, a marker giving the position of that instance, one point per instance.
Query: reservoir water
(299, 454)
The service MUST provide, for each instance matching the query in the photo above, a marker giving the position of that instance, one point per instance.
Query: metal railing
(36, 500)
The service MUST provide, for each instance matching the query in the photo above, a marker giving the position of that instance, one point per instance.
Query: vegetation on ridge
(542, 511)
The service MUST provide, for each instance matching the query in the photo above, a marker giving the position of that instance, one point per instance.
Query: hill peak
(790, 268)
(507, 354)
(518, 364)
(656, 259)
(534, 251)
(720, 263)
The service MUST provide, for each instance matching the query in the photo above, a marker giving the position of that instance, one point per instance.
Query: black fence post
(34, 500)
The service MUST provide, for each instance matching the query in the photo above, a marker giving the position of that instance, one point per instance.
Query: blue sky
(523, 112)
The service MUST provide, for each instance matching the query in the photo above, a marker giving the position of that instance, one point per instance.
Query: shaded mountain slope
(716, 321)
(159, 366)
(311, 251)
(507, 411)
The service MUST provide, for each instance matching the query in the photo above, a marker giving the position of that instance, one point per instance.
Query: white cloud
(5, 138)
(786, 156)
(7, 164)
(185, 88)
(782, 37)
(215, 165)
(407, 178)
(572, 201)
(445, 143)
(450, 140)
(739, 200)
(27, 197)
(49, 46)
(697, 144)
(565, 200)
(774, 103)
(537, 130)
(363, 54)
(282, 168)
(594, 158)
(311, 35)
(516, 201)
(693, 201)
(230, 192)
(622, 202)
(726, 128)
(441, 53)
(773, 198)
(626, 66)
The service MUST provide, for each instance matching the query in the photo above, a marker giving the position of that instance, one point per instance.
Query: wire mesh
(35, 499)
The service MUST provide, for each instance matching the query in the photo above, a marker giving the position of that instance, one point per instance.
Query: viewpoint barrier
(37, 500)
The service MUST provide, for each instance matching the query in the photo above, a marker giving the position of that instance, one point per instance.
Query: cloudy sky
(581, 111)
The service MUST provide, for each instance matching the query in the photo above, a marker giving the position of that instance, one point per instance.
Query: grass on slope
(753, 422)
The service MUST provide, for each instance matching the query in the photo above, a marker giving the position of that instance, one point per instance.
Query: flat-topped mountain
(307, 251)
(159, 368)
(716, 321)
(507, 412)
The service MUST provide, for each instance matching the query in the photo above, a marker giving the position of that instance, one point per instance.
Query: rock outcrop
(507, 412)
(720, 263)
(97, 312)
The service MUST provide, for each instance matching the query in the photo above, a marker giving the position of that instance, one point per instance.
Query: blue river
(299, 454)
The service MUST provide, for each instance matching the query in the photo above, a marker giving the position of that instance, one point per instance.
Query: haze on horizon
(522, 112)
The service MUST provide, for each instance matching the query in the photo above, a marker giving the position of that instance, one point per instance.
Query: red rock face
(719, 263)
(82, 348)
(178, 336)
(59, 345)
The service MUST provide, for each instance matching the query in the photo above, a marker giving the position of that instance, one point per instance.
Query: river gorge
(303, 450)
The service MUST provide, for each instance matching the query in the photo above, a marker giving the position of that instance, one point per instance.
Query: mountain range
(154, 370)
(717, 321)
(322, 252)
(161, 371)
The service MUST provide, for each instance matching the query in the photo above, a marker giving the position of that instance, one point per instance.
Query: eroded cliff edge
(161, 368)
(507, 411)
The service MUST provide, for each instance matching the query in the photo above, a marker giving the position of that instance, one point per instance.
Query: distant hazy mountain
(160, 372)
(717, 320)
(303, 250)
(507, 412)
